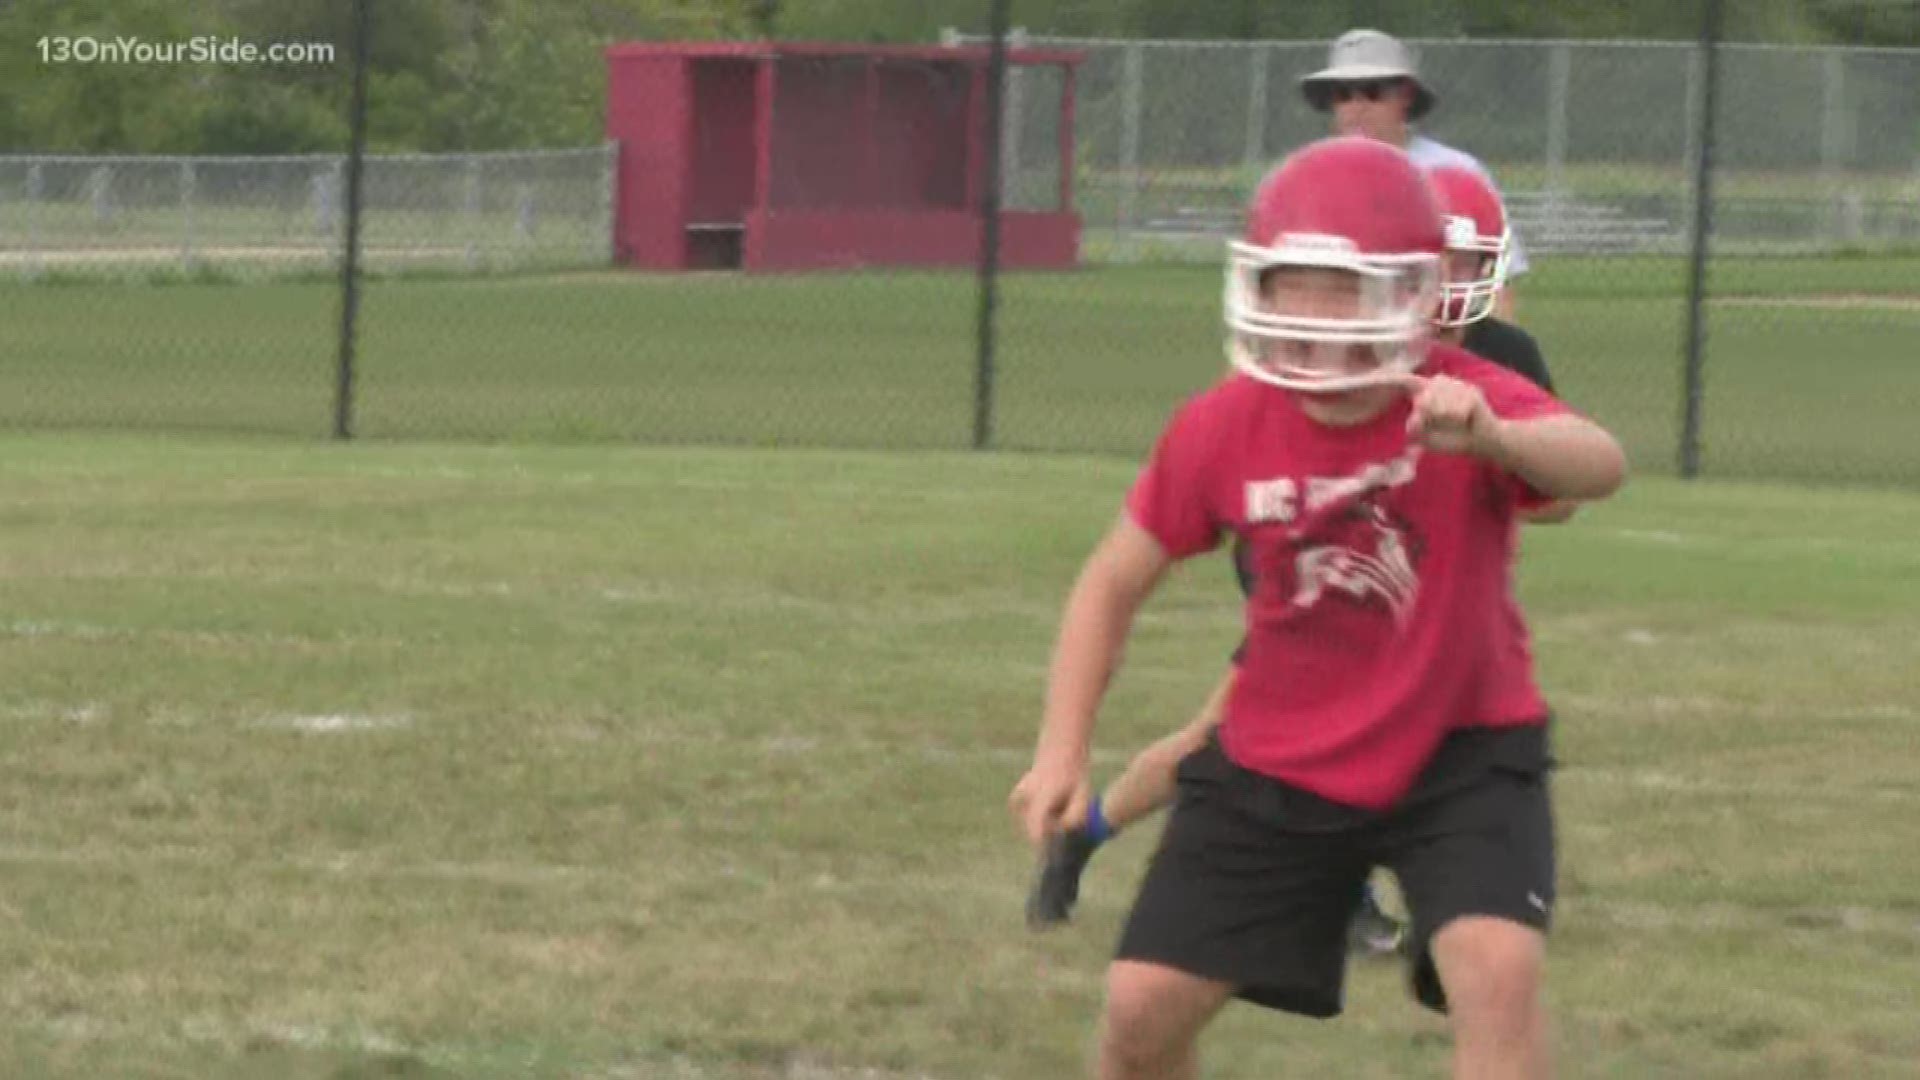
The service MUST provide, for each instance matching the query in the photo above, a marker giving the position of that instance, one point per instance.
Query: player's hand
(1054, 793)
(1450, 415)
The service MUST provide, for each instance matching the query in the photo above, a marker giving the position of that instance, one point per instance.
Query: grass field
(1796, 385)
(423, 760)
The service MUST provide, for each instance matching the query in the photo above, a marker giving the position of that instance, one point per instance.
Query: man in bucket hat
(1371, 86)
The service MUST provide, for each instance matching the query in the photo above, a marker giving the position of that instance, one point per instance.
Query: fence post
(187, 181)
(100, 193)
(1691, 385)
(1833, 119)
(1015, 110)
(327, 188)
(1256, 151)
(1130, 74)
(36, 258)
(1559, 74)
(526, 214)
(606, 247)
(986, 328)
(1690, 151)
(350, 258)
(470, 203)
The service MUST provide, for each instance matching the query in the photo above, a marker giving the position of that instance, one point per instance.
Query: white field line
(1832, 302)
(90, 631)
(1698, 705)
(358, 1038)
(800, 744)
(1714, 915)
(322, 723)
(950, 490)
(1892, 548)
(1660, 780)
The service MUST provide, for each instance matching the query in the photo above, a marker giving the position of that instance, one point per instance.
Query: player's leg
(1246, 895)
(1148, 784)
(1154, 1014)
(1492, 971)
(1476, 865)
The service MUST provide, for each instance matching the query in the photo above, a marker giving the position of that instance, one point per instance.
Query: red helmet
(1476, 223)
(1350, 204)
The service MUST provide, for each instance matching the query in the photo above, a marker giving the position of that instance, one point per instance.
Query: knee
(1492, 970)
(1133, 1034)
(1149, 1022)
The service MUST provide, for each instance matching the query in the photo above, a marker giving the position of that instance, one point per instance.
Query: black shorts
(1255, 879)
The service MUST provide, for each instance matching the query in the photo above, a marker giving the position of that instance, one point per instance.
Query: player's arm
(1560, 455)
(1535, 368)
(1151, 779)
(1557, 512)
(1565, 457)
(1117, 578)
(1168, 516)
(1527, 361)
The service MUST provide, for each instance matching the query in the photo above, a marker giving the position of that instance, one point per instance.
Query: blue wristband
(1097, 829)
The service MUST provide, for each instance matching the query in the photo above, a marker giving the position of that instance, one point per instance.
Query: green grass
(1091, 360)
(421, 760)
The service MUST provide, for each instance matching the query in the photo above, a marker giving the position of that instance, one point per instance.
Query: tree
(483, 74)
(750, 18)
(1887, 23)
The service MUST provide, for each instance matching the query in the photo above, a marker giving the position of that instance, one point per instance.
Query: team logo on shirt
(1367, 553)
(1360, 548)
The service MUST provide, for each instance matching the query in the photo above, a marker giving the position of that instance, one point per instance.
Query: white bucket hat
(1362, 55)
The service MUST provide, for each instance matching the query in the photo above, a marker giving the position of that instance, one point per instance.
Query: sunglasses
(1371, 89)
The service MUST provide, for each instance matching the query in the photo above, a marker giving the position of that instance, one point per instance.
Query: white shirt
(1432, 154)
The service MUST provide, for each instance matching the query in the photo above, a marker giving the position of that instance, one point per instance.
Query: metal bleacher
(1545, 222)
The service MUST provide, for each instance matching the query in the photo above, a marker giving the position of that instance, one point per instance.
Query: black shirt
(1510, 347)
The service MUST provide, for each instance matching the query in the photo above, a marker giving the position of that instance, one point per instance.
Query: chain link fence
(256, 217)
(174, 293)
(201, 293)
(1815, 234)
(1593, 142)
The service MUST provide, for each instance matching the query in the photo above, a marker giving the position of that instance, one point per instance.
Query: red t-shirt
(1382, 615)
